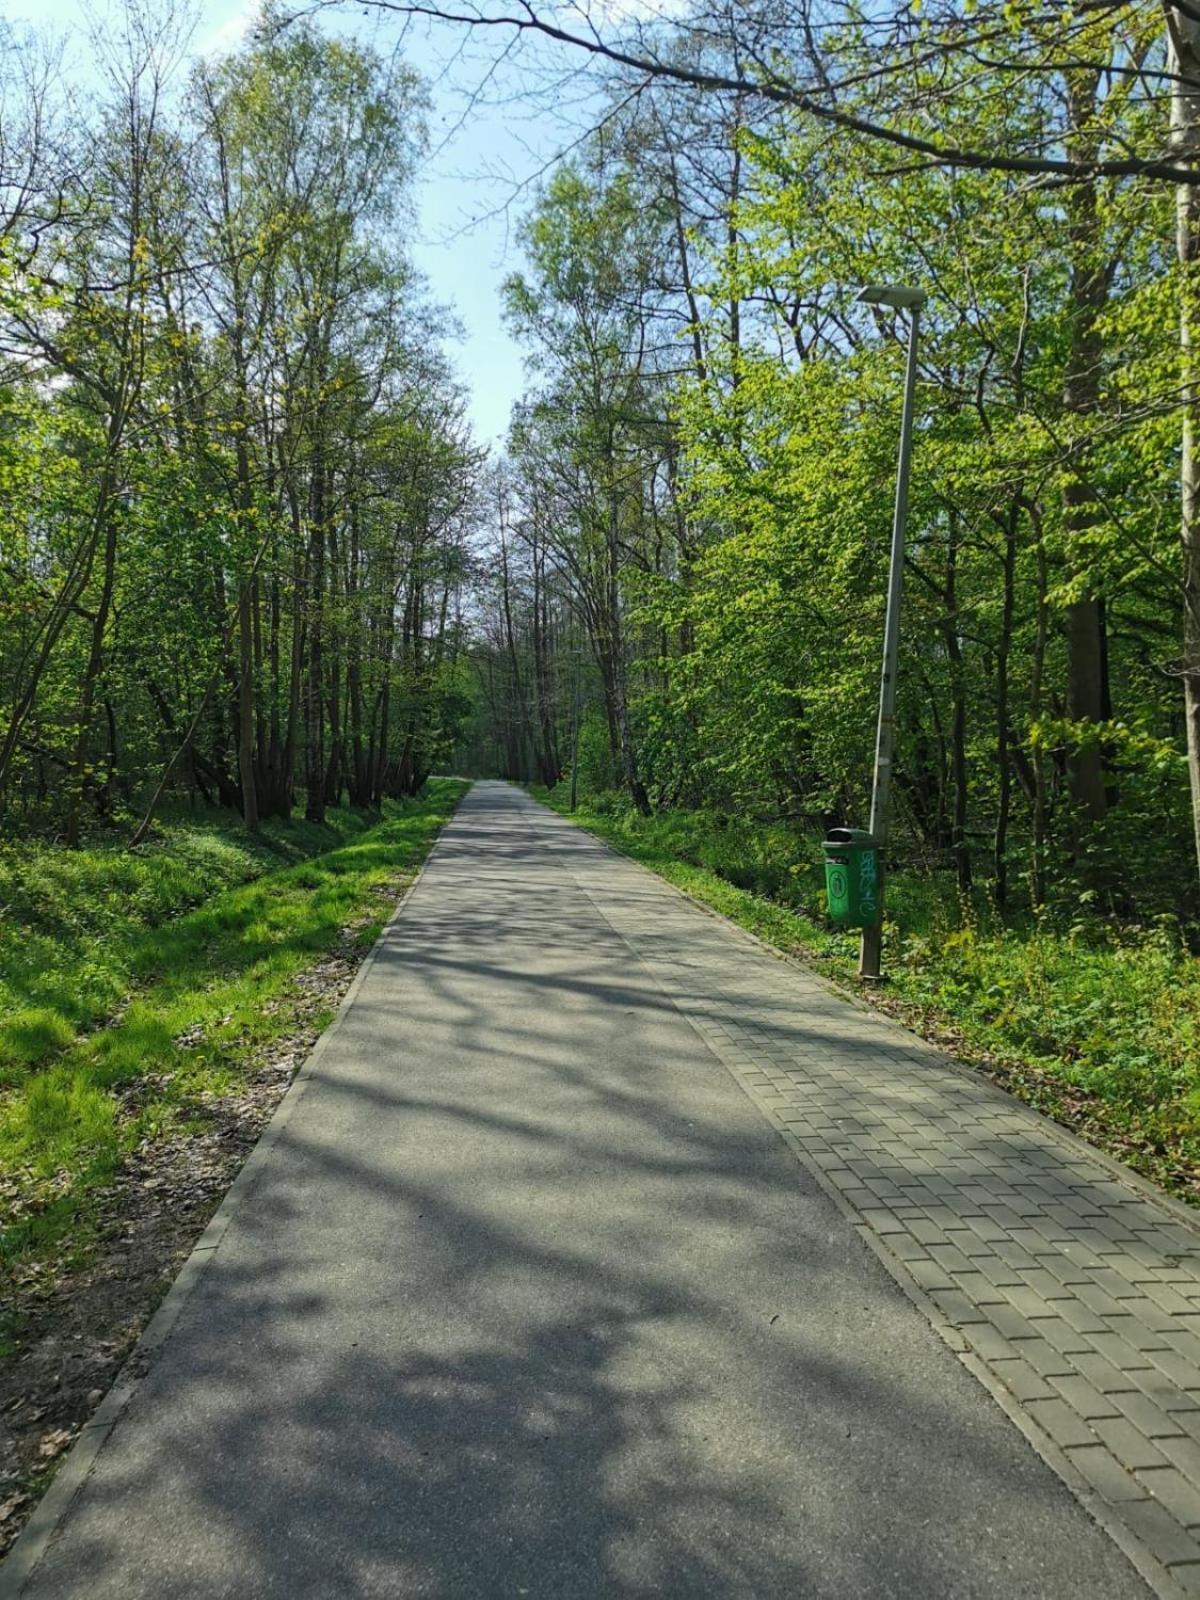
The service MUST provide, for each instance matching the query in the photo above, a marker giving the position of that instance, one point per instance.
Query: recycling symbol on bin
(837, 883)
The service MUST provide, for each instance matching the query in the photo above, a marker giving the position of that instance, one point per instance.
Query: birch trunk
(1185, 140)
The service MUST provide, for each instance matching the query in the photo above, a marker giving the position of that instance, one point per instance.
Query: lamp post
(897, 298)
(575, 734)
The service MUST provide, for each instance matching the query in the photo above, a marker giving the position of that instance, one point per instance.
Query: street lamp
(897, 298)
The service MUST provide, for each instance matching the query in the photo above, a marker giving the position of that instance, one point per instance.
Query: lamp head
(894, 295)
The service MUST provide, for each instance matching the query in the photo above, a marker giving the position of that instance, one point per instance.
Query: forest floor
(1097, 1026)
(143, 1049)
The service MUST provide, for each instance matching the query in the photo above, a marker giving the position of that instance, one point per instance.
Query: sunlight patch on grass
(1096, 1024)
(29, 1036)
(199, 1017)
(80, 928)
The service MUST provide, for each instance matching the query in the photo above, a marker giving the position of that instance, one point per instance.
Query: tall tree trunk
(336, 642)
(1088, 293)
(277, 801)
(618, 676)
(1184, 62)
(695, 319)
(958, 703)
(1003, 757)
(260, 715)
(547, 751)
(299, 648)
(245, 619)
(314, 699)
(87, 696)
(246, 772)
(1039, 819)
(517, 702)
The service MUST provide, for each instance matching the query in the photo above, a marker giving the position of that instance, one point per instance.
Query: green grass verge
(75, 924)
(1095, 1024)
(205, 1001)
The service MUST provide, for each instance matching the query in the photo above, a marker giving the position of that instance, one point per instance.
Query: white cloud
(218, 37)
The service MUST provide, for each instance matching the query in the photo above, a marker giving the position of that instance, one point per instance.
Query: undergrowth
(207, 993)
(75, 924)
(1094, 1022)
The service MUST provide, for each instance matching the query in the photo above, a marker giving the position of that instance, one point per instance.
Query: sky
(478, 176)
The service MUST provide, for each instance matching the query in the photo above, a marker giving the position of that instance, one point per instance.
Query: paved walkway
(525, 1297)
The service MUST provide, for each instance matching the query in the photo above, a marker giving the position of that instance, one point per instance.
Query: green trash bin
(853, 880)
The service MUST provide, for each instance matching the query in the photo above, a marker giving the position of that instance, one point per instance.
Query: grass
(74, 923)
(204, 990)
(1096, 1024)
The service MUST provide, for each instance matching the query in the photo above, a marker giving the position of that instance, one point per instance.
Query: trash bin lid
(844, 836)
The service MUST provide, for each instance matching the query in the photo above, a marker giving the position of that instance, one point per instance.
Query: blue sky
(469, 197)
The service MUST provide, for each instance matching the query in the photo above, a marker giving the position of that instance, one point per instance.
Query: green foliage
(77, 927)
(212, 987)
(597, 768)
(234, 475)
(1096, 1023)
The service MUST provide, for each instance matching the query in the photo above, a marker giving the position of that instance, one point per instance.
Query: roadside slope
(113, 1158)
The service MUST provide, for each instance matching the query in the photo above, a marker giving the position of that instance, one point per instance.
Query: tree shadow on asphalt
(503, 1317)
(541, 1417)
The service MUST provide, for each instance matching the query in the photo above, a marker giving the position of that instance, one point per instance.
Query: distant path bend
(530, 1298)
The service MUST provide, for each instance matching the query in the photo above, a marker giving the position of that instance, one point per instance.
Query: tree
(237, 481)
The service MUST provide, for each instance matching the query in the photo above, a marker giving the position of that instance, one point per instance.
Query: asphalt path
(529, 1299)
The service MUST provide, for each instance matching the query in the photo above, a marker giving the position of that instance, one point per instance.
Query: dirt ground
(77, 1327)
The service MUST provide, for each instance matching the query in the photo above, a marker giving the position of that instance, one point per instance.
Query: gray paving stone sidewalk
(522, 1295)
(1071, 1288)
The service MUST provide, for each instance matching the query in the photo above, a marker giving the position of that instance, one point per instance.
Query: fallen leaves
(77, 1323)
(14, 1503)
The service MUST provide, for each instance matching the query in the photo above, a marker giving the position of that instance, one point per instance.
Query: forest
(679, 639)
(252, 558)
(236, 480)
(271, 600)
(699, 483)
(260, 582)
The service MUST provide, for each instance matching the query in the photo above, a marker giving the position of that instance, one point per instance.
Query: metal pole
(871, 951)
(575, 736)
